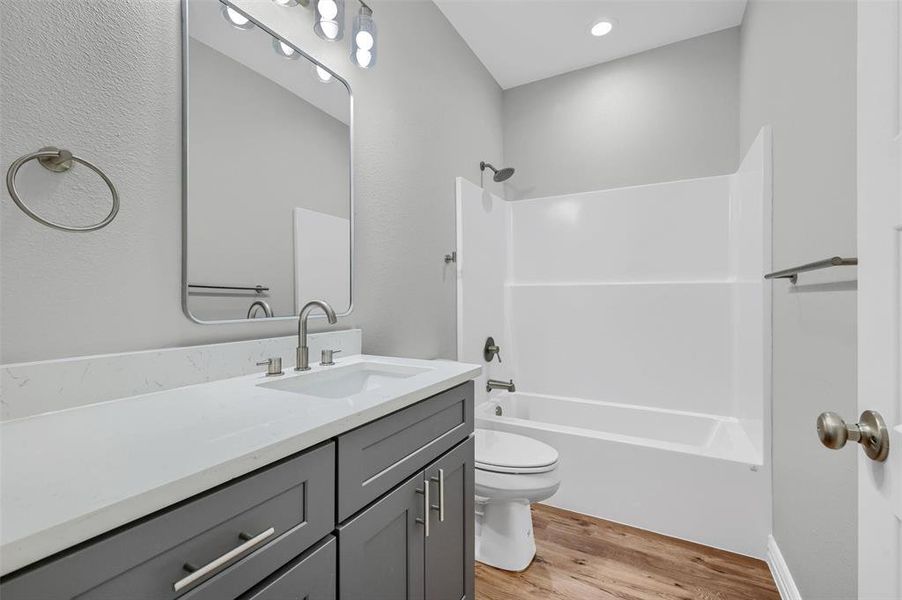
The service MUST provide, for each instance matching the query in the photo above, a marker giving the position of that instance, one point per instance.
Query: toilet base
(504, 537)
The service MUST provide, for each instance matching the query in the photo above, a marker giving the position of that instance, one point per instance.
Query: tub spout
(494, 384)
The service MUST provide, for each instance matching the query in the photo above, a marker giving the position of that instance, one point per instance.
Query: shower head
(503, 174)
(500, 174)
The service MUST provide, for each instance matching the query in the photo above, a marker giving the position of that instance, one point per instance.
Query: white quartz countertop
(68, 476)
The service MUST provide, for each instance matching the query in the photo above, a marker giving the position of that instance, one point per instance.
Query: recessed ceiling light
(601, 28)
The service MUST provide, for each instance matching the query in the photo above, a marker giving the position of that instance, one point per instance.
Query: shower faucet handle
(491, 350)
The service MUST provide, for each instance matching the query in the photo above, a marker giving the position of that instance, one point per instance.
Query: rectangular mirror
(268, 199)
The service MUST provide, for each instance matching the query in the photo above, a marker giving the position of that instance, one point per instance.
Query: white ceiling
(520, 41)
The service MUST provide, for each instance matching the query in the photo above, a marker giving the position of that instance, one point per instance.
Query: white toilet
(512, 472)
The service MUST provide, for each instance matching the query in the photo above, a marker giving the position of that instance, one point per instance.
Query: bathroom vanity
(159, 474)
(371, 495)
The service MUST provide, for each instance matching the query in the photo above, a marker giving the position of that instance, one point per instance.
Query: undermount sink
(340, 382)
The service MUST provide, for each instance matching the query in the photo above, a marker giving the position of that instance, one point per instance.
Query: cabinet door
(380, 551)
(309, 577)
(376, 457)
(450, 545)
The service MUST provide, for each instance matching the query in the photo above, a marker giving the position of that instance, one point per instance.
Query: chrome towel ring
(58, 161)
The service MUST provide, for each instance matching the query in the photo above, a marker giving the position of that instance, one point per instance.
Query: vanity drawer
(374, 458)
(283, 509)
(312, 576)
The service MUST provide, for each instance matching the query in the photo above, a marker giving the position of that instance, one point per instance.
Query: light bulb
(329, 23)
(236, 17)
(324, 75)
(328, 9)
(364, 57)
(329, 29)
(364, 40)
(284, 50)
(363, 50)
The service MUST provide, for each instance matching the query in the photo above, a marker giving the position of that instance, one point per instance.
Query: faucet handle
(326, 357)
(273, 365)
(491, 350)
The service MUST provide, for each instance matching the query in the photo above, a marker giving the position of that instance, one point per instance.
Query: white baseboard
(780, 571)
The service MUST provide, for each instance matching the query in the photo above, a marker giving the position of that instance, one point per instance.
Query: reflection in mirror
(268, 199)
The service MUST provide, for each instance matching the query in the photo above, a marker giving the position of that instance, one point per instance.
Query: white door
(880, 291)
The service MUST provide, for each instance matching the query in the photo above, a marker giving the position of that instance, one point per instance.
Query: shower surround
(636, 325)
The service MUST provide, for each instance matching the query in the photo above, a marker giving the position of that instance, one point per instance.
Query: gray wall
(799, 74)
(665, 114)
(113, 96)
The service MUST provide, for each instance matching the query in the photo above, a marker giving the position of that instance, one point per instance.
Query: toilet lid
(503, 452)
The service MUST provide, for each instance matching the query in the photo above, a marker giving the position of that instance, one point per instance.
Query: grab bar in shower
(793, 273)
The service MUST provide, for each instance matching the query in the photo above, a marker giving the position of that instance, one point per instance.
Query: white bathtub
(694, 476)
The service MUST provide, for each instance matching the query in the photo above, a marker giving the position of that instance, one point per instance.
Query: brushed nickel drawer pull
(440, 480)
(214, 564)
(425, 520)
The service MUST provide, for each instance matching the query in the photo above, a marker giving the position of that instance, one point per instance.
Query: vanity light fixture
(235, 18)
(363, 41)
(329, 20)
(284, 50)
(601, 28)
(322, 75)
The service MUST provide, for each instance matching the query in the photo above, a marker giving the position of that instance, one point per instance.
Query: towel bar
(793, 273)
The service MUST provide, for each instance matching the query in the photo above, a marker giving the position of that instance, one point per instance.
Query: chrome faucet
(303, 358)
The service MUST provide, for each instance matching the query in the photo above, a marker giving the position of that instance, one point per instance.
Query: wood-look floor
(584, 558)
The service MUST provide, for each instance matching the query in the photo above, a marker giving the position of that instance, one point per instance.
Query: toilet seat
(506, 487)
(502, 452)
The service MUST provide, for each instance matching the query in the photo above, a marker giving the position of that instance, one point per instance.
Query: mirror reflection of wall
(268, 177)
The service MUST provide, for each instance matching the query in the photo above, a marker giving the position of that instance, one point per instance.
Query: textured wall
(102, 77)
(799, 74)
(665, 114)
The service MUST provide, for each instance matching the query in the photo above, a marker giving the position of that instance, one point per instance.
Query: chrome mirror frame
(351, 203)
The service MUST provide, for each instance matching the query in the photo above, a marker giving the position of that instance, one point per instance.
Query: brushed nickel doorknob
(870, 432)
(833, 431)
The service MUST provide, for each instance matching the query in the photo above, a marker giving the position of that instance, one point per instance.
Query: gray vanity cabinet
(376, 457)
(450, 545)
(265, 519)
(309, 577)
(380, 553)
(381, 512)
(390, 552)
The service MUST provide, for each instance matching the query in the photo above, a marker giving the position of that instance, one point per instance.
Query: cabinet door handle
(214, 564)
(441, 495)
(425, 520)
